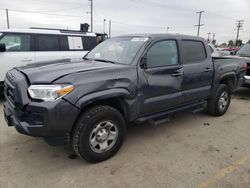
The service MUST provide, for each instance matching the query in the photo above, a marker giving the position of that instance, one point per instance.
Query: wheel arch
(229, 80)
(116, 98)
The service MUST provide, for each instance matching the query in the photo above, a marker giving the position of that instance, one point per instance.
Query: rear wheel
(220, 101)
(99, 133)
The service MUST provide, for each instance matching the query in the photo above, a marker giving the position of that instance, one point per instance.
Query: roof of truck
(48, 31)
(163, 35)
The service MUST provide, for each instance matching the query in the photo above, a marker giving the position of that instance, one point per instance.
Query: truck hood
(48, 72)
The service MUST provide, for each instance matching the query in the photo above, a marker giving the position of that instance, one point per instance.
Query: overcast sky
(133, 16)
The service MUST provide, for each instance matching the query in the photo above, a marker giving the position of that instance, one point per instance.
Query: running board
(167, 113)
(161, 121)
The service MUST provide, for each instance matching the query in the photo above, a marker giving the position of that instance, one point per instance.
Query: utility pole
(239, 25)
(7, 16)
(208, 37)
(199, 24)
(104, 25)
(109, 28)
(213, 36)
(91, 12)
(168, 29)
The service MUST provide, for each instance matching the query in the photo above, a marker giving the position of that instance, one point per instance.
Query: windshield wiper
(104, 60)
(85, 58)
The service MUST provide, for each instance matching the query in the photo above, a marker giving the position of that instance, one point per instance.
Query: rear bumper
(51, 120)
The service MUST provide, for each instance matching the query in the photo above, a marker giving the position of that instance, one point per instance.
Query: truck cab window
(194, 51)
(163, 53)
(16, 42)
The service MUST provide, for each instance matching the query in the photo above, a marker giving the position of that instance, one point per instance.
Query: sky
(133, 16)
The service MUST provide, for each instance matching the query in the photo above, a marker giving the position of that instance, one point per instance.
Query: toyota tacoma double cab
(134, 78)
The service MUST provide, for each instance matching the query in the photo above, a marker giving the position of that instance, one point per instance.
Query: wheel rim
(223, 101)
(103, 137)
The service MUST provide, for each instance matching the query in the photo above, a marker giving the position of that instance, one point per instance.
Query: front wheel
(99, 133)
(220, 101)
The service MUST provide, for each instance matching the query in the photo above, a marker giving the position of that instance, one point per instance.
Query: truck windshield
(117, 50)
(245, 50)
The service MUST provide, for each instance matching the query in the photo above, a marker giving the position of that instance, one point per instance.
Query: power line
(43, 13)
(60, 10)
(199, 23)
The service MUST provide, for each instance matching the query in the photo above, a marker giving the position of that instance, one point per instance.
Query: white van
(20, 47)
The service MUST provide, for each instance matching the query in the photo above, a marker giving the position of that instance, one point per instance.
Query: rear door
(161, 89)
(198, 70)
(18, 52)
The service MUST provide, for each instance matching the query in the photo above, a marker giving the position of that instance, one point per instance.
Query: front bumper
(51, 120)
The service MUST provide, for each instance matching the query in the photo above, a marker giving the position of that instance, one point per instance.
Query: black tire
(213, 104)
(87, 123)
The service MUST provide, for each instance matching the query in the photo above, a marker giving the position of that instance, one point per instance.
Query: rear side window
(89, 43)
(47, 43)
(162, 53)
(16, 42)
(194, 51)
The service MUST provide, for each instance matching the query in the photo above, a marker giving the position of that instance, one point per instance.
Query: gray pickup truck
(134, 78)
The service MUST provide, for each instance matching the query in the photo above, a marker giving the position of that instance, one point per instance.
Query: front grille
(15, 91)
(9, 87)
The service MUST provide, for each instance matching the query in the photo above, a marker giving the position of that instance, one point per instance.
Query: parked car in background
(223, 52)
(231, 50)
(244, 52)
(132, 78)
(215, 52)
(19, 47)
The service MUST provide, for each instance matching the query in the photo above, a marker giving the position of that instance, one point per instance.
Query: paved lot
(190, 151)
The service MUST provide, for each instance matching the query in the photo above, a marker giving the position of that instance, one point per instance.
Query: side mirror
(2, 47)
(143, 63)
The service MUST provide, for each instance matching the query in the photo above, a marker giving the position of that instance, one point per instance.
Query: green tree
(231, 43)
(238, 42)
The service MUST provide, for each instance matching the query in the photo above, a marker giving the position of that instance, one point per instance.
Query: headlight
(49, 92)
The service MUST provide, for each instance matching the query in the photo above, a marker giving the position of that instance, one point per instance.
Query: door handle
(207, 69)
(176, 74)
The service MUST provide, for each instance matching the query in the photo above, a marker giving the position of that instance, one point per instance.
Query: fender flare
(225, 76)
(101, 95)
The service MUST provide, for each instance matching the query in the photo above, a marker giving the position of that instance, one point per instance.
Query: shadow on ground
(242, 93)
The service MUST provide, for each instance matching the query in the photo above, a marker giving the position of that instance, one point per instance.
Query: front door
(161, 80)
